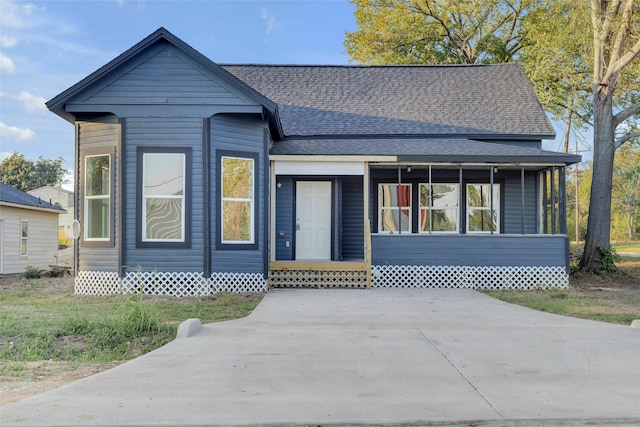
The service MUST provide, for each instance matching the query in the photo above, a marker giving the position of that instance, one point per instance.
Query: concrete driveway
(381, 356)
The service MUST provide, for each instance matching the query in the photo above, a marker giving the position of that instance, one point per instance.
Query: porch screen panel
(237, 200)
(394, 213)
(163, 193)
(439, 208)
(97, 197)
(480, 217)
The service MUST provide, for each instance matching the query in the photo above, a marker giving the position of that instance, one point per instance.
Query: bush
(608, 259)
(31, 272)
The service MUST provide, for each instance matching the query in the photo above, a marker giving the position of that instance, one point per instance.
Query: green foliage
(137, 315)
(25, 175)
(608, 259)
(437, 32)
(31, 272)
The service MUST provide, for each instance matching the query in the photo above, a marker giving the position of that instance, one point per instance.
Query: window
(439, 208)
(480, 216)
(163, 196)
(237, 184)
(394, 208)
(24, 237)
(97, 197)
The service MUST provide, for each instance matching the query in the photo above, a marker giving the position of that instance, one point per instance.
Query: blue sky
(48, 46)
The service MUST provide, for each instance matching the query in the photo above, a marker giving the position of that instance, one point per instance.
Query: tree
(437, 31)
(556, 58)
(25, 175)
(615, 83)
(626, 187)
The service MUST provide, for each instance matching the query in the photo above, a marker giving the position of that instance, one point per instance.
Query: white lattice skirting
(422, 276)
(97, 283)
(175, 284)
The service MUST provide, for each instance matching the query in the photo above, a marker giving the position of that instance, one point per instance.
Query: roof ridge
(251, 64)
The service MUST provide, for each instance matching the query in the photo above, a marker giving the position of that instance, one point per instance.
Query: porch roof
(422, 150)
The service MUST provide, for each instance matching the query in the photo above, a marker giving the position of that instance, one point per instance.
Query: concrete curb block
(188, 328)
(635, 323)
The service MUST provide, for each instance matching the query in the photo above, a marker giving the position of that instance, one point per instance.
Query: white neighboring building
(28, 231)
(59, 197)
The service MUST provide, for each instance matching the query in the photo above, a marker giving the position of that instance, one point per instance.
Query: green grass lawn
(631, 247)
(609, 297)
(45, 325)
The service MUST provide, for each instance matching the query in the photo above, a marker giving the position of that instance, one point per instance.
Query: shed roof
(460, 100)
(14, 197)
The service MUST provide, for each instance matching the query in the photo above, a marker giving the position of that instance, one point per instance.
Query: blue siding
(170, 133)
(284, 218)
(512, 213)
(163, 75)
(101, 133)
(243, 135)
(470, 250)
(352, 218)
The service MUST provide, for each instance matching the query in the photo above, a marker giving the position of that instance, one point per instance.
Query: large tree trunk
(599, 222)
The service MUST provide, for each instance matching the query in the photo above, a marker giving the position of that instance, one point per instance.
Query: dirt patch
(19, 380)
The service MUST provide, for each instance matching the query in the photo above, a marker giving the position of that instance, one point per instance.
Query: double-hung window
(483, 208)
(24, 237)
(439, 208)
(97, 197)
(163, 197)
(394, 208)
(237, 186)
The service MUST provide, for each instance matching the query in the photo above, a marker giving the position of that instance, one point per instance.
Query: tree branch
(625, 114)
(626, 137)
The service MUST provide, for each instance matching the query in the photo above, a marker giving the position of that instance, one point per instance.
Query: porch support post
(553, 200)
(398, 201)
(545, 202)
(522, 199)
(272, 213)
(562, 199)
(430, 203)
(461, 204)
(491, 199)
(365, 199)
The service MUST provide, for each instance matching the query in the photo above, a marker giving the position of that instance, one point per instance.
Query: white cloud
(16, 133)
(8, 41)
(6, 64)
(270, 19)
(32, 103)
(5, 155)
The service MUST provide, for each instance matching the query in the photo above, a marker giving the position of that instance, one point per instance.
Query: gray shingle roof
(427, 149)
(14, 196)
(454, 100)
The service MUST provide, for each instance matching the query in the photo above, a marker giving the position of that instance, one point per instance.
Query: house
(59, 197)
(195, 177)
(28, 231)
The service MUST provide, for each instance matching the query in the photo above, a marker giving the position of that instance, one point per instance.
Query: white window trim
(97, 197)
(430, 208)
(397, 209)
(251, 201)
(487, 208)
(23, 238)
(155, 196)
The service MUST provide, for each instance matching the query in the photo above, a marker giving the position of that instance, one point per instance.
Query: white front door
(313, 220)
